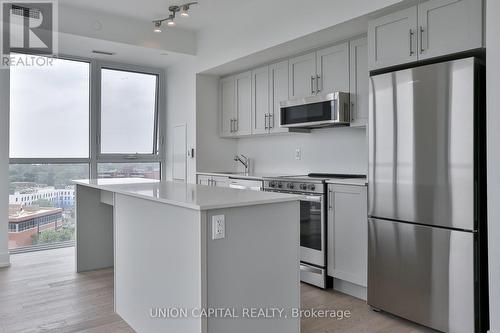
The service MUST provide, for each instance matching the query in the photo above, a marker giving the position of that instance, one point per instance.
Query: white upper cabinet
(260, 100)
(392, 39)
(359, 77)
(433, 28)
(278, 85)
(348, 233)
(302, 71)
(448, 26)
(243, 83)
(228, 106)
(332, 69)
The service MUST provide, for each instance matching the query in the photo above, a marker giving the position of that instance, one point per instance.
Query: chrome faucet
(243, 160)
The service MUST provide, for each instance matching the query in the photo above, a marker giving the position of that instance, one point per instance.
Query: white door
(244, 103)
(260, 100)
(359, 77)
(348, 233)
(449, 26)
(228, 105)
(392, 39)
(278, 78)
(332, 68)
(302, 71)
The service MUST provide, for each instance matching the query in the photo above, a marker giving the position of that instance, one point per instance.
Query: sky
(49, 114)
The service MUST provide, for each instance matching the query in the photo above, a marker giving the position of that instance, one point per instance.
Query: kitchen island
(192, 258)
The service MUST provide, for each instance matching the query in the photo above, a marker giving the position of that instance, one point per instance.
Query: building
(30, 195)
(26, 221)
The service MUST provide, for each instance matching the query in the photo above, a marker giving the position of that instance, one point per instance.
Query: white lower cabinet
(213, 180)
(347, 233)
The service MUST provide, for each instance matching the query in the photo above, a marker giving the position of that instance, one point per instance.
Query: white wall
(260, 24)
(493, 140)
(4, 166)
(331, 150)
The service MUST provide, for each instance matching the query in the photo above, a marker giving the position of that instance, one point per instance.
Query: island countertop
(193, 196)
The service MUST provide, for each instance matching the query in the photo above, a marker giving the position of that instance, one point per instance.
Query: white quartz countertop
(193, 196)
(348, 181)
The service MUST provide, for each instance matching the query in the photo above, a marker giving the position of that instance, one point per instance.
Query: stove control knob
(280, 185)
(290, 186)
(312, 187)
(303, 186)
(272, 184)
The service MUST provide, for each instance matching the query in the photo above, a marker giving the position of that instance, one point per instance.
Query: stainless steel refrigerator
(427, 250)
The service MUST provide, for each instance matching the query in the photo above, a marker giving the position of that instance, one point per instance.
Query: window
(39, 220)
(51, 123)
(128, 112)
(49, 103)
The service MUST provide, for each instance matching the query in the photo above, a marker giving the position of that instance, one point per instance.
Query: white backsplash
(332, 150)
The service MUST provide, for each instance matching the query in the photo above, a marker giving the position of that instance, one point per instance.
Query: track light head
(157, 26)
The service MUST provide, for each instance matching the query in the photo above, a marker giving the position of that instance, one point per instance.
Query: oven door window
(306, 113)
(311, 225)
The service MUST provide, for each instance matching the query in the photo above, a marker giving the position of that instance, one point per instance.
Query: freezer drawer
(424, 274)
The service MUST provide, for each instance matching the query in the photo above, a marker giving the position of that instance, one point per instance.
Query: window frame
(95, 157)
(158, 134)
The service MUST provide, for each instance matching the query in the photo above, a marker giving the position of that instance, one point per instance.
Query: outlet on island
(218, 227)
(298, 154)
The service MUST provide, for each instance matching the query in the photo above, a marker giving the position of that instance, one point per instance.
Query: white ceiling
(206, 13)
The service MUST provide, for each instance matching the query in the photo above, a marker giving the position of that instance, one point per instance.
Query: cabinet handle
(330, 197)
(236, 129)
(231, 125)
(318, 90)
(271, 123)
(312, 84)
(411, 42)
(352, 111)
(422, 49)
(265, 120)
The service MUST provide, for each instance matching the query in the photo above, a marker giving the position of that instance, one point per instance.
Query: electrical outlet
(298, 154)
(218, 227)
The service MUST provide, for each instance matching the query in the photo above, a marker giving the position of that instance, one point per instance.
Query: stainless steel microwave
(316, 111)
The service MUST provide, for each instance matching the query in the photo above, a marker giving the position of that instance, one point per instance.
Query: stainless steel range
(312, 223)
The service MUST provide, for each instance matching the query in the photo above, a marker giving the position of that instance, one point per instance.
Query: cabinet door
(302, 71)
(278, 84)
(228, 105)
(332, 68)
(260, 100)
(392, 39)
(348, 233)
(449, 26)
(244, 103)
(359, 77)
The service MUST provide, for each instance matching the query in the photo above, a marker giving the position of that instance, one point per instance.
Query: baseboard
(350, 289)
(4, 259)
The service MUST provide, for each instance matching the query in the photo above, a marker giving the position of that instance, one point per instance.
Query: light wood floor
(40, 292)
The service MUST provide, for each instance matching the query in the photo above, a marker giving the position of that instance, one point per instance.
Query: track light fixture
(183, 9)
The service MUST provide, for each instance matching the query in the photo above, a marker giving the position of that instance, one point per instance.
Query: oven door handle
(313, 198)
